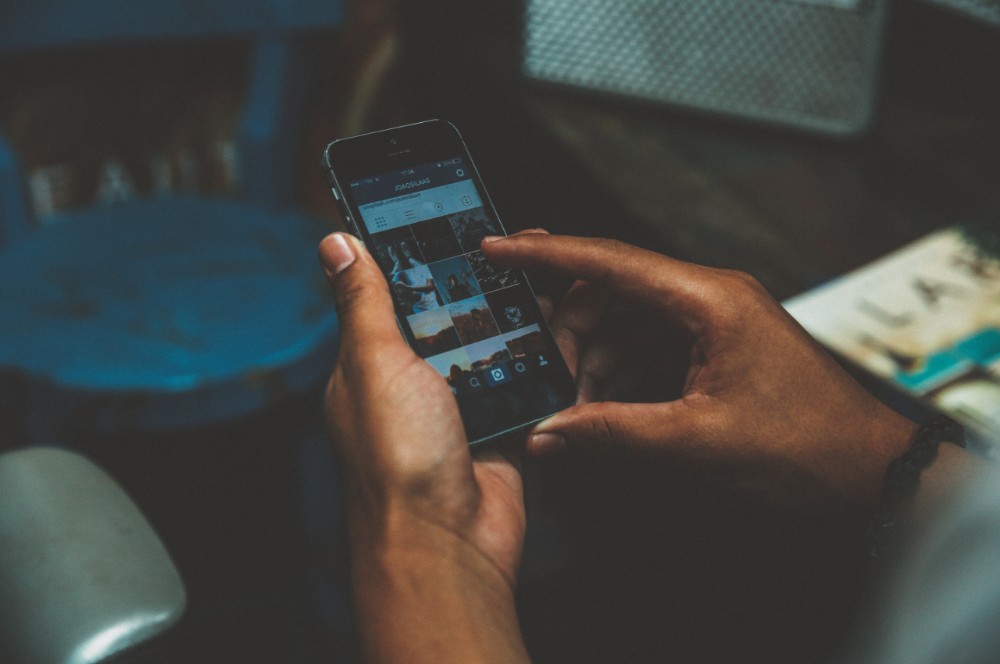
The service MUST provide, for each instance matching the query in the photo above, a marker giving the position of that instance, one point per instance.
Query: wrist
(404, 541)
(423, 593)
(403, 529)
(909, 472)
(888, 439)
(855, 461)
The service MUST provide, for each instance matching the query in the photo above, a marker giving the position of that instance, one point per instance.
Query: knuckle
(610, 430)
(605, 425)
(354, 295)
(614, 254)
(616, 248)
(741, 287)
(733, 294)
(741, 279)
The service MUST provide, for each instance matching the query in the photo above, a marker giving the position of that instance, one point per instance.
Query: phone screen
(476, 323)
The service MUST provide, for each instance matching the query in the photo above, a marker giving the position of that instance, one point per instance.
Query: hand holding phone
(414, 197)
(759, 405)
(425, 513)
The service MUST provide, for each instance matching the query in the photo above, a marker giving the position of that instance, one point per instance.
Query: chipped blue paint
(208, 302)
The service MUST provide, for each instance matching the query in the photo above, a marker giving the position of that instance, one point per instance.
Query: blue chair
(170, 312)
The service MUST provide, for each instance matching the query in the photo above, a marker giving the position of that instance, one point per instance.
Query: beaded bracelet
(903, 476)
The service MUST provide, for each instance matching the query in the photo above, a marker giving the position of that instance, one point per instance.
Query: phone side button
(353, 227)
(336, 194)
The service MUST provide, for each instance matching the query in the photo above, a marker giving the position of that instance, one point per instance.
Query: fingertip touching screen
(476, 323)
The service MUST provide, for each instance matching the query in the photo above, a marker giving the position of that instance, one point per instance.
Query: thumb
(364, 305)
(610, 427)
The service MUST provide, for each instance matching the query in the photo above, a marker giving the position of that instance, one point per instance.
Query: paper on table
(926, 318)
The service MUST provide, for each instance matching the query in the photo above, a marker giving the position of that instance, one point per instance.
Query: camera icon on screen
(497, 375)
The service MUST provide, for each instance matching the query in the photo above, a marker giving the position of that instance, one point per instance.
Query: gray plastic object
(83, 576)
(810, 64)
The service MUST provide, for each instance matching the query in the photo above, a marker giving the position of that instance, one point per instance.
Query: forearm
(432, 598)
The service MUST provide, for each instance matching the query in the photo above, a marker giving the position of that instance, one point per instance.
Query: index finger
(640, 275)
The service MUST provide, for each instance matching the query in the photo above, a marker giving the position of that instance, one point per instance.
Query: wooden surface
(791, 209)
(642, 562)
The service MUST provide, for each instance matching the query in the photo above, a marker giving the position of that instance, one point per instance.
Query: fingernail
(492, 238)
(337, 254)
(545, 444)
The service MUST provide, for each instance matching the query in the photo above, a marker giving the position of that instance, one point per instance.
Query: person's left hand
(418, 499)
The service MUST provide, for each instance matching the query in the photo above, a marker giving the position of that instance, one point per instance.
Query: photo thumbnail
(471, 226)
(414, 290)
(454, 279)
(473, 320)
(396, 250)
(512, 308)
(434, 332)
(487, 353)
(436, 239)
(452, 365)
(489, 276)
(527, 341)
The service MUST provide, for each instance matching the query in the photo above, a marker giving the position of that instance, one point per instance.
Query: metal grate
(809, 63)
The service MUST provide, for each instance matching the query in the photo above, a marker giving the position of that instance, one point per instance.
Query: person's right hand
(763, 408)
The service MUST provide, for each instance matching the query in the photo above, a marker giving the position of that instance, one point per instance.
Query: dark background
(625, 561)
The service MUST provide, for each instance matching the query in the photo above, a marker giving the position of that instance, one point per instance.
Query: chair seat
(177, 296)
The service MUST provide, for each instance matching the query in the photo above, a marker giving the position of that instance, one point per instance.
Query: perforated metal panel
(984, 10)
(809, 63)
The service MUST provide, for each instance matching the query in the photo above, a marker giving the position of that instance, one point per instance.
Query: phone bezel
(356, 157)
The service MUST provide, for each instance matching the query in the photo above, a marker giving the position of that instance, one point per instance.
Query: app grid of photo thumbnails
(466, 314)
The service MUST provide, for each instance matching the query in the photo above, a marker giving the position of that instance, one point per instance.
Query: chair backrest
(30, 25)
(13, 207)
(271, 111)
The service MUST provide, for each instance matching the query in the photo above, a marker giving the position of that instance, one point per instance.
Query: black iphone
(414, 197)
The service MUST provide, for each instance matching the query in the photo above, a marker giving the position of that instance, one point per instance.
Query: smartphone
(414, 197)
